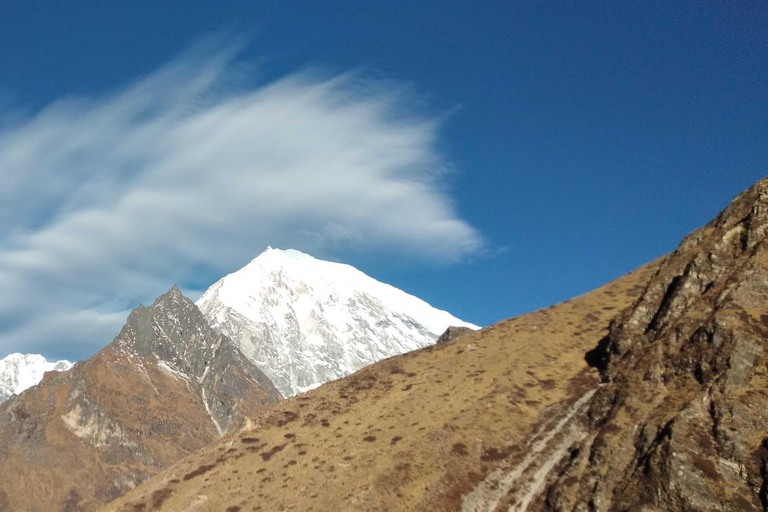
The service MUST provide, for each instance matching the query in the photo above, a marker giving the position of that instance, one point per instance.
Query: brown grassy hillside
(414, 432)
(86, 436)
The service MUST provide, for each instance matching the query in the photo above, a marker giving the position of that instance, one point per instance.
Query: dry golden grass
(415, 432)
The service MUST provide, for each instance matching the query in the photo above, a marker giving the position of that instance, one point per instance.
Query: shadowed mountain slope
(417, 431)
(166, 386)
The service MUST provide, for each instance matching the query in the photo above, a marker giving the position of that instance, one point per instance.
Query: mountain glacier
(22, 371)
(305, 321)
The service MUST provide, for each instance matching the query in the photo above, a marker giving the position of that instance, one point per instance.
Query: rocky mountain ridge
(19, 372)
(305, 321)
(681, 421)
(166, 386)
(174, 333)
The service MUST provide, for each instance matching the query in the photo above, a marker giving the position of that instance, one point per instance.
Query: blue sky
(492, 157)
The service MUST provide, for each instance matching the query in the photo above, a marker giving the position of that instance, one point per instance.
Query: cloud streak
(192, 171)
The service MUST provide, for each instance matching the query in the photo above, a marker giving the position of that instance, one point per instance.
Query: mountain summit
(174, 335)
(306, 321)
(166, 386)
(22, 371)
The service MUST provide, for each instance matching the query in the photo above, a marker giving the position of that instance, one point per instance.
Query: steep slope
(414, 432)
(681, 422)
(305, 321)
(165, 387)
(22, 371)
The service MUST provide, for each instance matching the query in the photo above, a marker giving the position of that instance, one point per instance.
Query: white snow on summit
(305, 321)
(22, 371)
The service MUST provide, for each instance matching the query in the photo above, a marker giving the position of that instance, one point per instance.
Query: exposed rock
(681, 422)
(166, 386)
(453, 333)
(174, 332)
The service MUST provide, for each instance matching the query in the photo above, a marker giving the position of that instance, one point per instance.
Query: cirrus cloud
(191, 171)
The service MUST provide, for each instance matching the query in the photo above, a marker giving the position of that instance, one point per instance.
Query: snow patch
(174, 372)
(305, 321)
(19, 372)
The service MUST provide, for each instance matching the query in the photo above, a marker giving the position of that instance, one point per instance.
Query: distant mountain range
(22, 371)
(306, 321)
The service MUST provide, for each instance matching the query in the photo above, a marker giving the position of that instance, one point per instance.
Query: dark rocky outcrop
(681, 421)
(174, 332)
(453, 332)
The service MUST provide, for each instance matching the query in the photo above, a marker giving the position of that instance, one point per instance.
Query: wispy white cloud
(192, 170)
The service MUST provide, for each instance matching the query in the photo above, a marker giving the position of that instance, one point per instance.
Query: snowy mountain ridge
(22, 371)
(305, 321)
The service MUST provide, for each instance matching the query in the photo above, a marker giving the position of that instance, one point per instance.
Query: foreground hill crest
(681, 423)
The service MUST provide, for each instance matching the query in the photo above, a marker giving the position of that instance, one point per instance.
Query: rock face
(681, 422)
(166, 386)
(305, 321)
(452, 333)
(22, 371)
(174, 333)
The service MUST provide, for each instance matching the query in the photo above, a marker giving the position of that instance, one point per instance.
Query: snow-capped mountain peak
(22, 371)
(306, 321)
